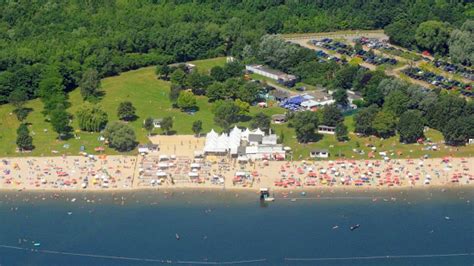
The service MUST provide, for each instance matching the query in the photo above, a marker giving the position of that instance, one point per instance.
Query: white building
(319, 153)
(271, 73)
(244, 143)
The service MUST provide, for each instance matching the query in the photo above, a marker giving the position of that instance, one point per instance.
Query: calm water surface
(221, 227)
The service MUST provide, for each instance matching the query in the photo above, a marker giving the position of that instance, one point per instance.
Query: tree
(148, 125)
(363, 120)
(384, 124)
(198, 82)
(410, 127)
(174, 92)
(162, 71)
(459, 130)
(244, 107)
(340, 97)
(249, 92)
(21, 113)
(341, 132)
(23, 140)
(433, 36)
(167, 124)
(218, 74)
(120, 137)
(216, 92)
(447, 107)
(186, 100)
(178, 77)
(91, 118)
(226, 113)
(396, 102)
(18, 98)
(233, 69)
(345, 77)
(461, 46)
(60, 122)
(197, 127)
(305, 124)
(90, 84)
(332, 115)
(126, 111)
(262, 121)
(402, 32)
(373, 95)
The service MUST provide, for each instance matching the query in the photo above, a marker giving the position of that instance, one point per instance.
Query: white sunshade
(195, 165)
(161, 174)
(240, 173)
(163, 165)
(193, 174)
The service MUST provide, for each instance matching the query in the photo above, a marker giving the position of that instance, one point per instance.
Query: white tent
(193, 174)
(161, 174)
(163, 165)
(258, 131)
(195, 165)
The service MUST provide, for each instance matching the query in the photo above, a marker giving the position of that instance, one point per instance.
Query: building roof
(309, 103)
(326, 127)
(280, 74)
(279, 117)
(319, 151)
(255, 138)
(268, 70)
(148, 146)
(321, 96)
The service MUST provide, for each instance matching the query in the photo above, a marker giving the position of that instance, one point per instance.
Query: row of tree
(438, 37)
(111, 37)
(407, 109)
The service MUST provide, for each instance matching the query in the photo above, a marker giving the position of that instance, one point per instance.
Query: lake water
(219, 227)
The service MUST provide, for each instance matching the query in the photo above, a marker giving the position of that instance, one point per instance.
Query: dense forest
(65, 38)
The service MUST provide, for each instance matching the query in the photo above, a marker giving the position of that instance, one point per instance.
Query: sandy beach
(112, 173)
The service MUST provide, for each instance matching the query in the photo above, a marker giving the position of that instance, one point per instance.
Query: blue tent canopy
(296, 100)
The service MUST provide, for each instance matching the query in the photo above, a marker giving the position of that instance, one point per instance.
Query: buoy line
(55, 252)
(382, 257)
(222, 263)
(324, 198)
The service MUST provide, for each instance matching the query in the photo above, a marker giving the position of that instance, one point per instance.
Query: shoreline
(241, 189)
(118, 174)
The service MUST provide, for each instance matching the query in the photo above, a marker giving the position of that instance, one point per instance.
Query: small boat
(335, 227)
(69, 213)
(269, 199)
(354, 227)
(37, 244)
(447, 218)
(177, 236)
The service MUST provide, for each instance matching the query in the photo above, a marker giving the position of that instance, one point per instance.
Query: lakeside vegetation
(150, 96)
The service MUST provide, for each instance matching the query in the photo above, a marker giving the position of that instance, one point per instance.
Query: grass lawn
(148, 94)
(204, 66)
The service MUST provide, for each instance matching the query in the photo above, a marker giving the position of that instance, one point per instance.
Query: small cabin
(157, 123)
(147, 148)
(326, 130)
(279, 118)
(319, 153)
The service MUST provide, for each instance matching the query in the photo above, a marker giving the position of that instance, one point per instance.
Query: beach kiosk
(265, 195)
